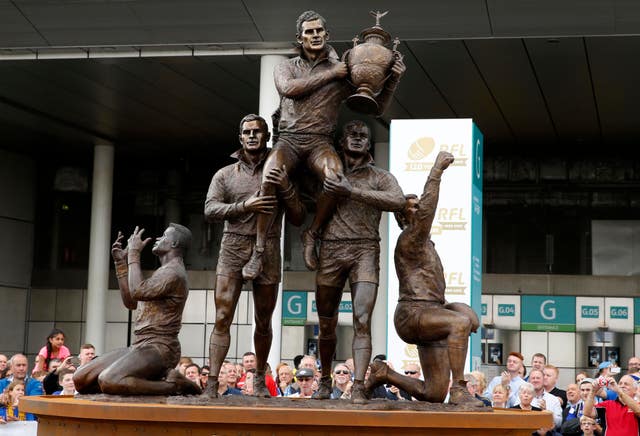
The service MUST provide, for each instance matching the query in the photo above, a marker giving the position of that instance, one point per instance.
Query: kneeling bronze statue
(147, 367)
(423, 317)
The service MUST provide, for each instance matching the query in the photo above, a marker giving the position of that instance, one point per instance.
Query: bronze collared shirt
(316, 111)
(229, 188)
(418, 266)
(161, 300)
(360, 218)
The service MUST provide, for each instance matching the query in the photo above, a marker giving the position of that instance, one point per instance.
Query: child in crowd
(9, 411)
(54, 348)
(66, 381)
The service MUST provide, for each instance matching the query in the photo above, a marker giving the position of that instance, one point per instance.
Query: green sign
(484, 309)
(619, 312)
(548, 313)
(589, 311)
(506, 310)
(294, 308)
(345, 306)
(636, 315)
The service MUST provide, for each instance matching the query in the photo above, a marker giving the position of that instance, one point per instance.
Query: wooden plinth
(65, 415)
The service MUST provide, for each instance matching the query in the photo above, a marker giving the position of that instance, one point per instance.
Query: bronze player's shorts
(416, 321)
(167, 349)
(235, 252)
(312, 149)
(359, 261)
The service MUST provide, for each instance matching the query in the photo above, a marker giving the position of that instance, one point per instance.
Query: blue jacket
(31, 385)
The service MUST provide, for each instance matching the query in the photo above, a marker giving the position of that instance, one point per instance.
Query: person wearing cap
(510, 377)
(304, 376)
(621, 414)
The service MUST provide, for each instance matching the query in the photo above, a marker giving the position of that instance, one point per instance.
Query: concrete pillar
(99, 246)
(379, 321)
(269, 102)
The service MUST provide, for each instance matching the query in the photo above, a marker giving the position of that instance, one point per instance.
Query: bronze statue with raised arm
(423, 317)
(147, 367)
(311, 86)
(234, 198)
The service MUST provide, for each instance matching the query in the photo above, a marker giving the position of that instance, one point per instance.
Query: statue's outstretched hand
(443, 160)
(118, 253)
(136, 242)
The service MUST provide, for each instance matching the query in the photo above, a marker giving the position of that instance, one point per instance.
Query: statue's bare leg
(363, 296)
(325, 164)
(264, 302)
(277, 159)
(143, 371)
(85, 378)
(327, 302)
(226, 295)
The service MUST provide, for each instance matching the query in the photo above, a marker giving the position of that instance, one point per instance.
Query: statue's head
(356, 137)
(175, 237)
(405, 216)
(311, 32)
(254, 133)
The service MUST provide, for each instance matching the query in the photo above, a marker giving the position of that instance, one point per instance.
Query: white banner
(457, 226)
(618, 314)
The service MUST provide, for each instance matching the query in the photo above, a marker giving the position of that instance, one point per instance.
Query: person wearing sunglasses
(341, 381)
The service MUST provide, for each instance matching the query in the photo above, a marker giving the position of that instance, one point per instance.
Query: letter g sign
(294, 305)
(548, 310)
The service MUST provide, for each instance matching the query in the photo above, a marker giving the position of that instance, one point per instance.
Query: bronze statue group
(252, 196)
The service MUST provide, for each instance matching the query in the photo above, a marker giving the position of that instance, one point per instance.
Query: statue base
(66, 415)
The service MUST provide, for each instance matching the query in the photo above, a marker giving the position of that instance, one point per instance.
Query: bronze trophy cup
(369, 64)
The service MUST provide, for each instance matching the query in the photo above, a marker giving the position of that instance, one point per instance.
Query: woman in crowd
(10, 411)
(526, 394)
(284, 380)
(341, 381)
(500, 396)
(54, 348)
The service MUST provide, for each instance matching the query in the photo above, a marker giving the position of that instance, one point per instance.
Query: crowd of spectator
(605, 404)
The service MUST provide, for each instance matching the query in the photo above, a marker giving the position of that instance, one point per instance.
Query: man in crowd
(311, 86)
(305, 378)
(510, 377)
(232, 198)
(543, 399)
(3, 363)
(550, 379)
(538, 361)
(350, 249)
(87, 353)
(148, 366)
(621, 414)
(19, 367)
(249, 363)
(633, 368)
